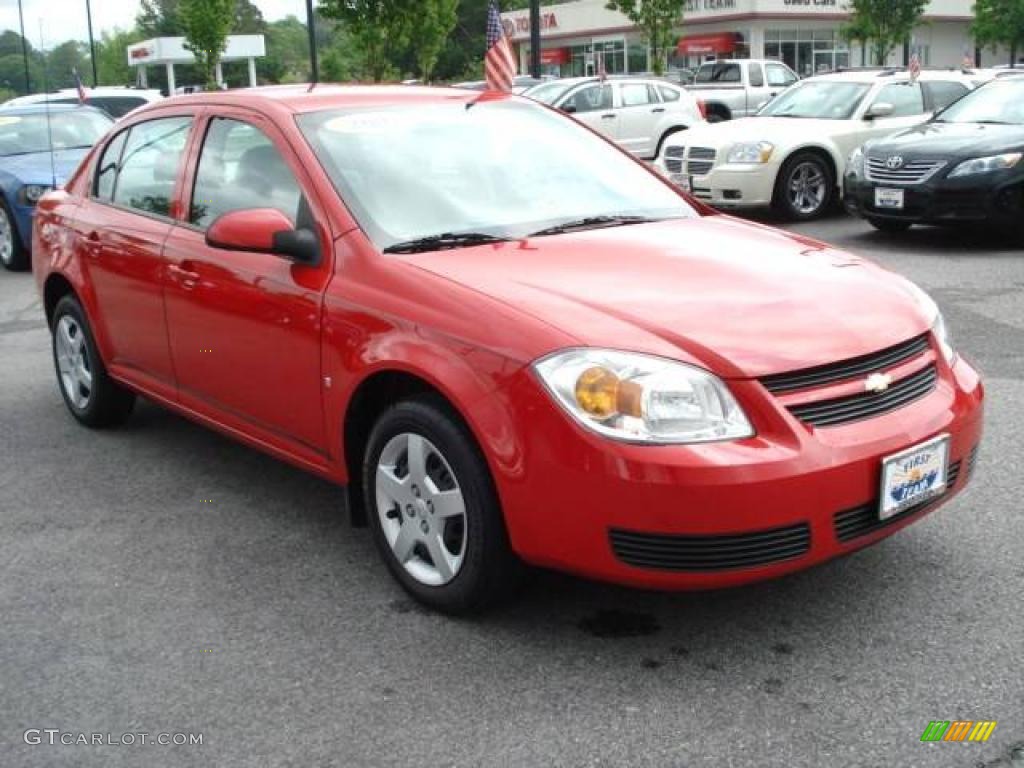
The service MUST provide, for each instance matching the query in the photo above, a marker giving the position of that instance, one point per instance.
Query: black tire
(489, 570)
(791, 170)
(892, 226)
(15, 259)
(107, 403)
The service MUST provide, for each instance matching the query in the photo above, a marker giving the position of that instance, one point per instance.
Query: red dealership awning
(724, 42)
(554, 56)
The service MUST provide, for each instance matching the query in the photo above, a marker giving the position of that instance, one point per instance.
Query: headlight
(756, 152)
(855, 163)
(31, 193)
(640, 398)
(986, 164)
(931, 309)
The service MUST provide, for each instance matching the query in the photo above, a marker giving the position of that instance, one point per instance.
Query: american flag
(915, 67)
(78, 85)
(499, 61)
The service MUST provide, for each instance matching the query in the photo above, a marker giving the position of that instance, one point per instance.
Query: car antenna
(46, 106)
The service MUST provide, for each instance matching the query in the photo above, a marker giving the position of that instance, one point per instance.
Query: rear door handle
(608, 116)
(658, 109)
(92, 244)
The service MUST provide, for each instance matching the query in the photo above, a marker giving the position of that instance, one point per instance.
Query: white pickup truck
(734, 88)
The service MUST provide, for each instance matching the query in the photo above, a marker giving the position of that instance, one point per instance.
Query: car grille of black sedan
(674, 159)
(863, 405)
(700, 161)
(860, 521)
(912, 172)
(672, 552)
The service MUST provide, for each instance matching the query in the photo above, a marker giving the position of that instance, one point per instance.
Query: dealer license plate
(888, 198)
(913, 476)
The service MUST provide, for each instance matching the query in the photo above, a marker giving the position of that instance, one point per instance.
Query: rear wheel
(12, 252)
(433, 508)
(805, 187)
(889, 225)
(90, 394)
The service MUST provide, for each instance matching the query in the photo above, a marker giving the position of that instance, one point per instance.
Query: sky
(65, 19)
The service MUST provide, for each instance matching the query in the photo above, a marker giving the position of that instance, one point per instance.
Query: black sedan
(966, 164)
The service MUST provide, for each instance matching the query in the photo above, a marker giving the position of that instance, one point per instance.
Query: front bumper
(732, 186)
(580, 503)
(942, 200)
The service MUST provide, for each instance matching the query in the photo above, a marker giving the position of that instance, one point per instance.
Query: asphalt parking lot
(162, 579)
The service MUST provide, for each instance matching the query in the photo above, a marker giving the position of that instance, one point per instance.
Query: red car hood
(742, 299)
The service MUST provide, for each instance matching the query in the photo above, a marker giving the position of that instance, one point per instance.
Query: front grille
(674, 159)
(672, 552)
(700, 161)
(860, 521)
(866, 405)
(846, 369)
(913, 172)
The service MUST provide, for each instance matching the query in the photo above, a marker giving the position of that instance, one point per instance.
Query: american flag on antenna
(499, 61)
(915, 67)
(78, 86)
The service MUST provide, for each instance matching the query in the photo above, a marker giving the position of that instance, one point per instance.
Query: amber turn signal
(602, 394)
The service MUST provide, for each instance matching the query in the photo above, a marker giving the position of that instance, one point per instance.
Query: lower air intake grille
(670, 552)
(866, 405)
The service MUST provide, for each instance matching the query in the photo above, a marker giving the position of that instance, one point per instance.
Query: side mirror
(264, 230)
(568, 108)
(879, 109)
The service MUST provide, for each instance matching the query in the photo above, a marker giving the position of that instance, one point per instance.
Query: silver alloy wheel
(73, 362)
(807, 188)
(421, 508)
(6, 237)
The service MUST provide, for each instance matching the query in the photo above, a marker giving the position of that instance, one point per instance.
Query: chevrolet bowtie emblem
(877, 382)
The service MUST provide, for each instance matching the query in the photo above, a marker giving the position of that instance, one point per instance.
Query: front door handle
(658, 109)
(186, 277)
(608, 116)
(92, 244)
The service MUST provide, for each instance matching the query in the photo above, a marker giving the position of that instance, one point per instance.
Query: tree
(380, 28)
(437, 20)
(883, 24)
(657, 20)
(112, 65)
(1000, 22)
(158, 18)
(61, 63)
(206, 24)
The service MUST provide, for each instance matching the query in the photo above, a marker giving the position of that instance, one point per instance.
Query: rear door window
(106, 171)
(756, 76)
(942, 93)
(905, 98)
(149, 165)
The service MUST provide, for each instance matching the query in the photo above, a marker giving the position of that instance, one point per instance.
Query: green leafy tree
(206, 24)
(158, 18)
(882, 24)
(61, 63)
(380, 29)
(657, 20)
(112, 65)
(437, 20)
(1000, 22)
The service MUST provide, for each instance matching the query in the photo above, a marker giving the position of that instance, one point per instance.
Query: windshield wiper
(591, 222)
(444, 241)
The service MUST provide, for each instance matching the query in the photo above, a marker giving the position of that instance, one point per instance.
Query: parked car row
(793, 155)
(115, 101)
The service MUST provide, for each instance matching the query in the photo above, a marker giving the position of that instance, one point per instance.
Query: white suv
(792, 154)
(115, 101)
(636, 113)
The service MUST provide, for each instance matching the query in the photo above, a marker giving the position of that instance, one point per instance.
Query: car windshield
(25, 134)
(504, 168)
(824, 99)
(1001, 101)
(548, 93)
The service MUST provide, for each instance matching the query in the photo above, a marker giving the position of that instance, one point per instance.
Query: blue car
(39, 148)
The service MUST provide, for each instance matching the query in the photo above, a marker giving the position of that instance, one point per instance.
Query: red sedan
(512, 342)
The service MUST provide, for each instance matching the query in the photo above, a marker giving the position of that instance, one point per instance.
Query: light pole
(535, 38)
(24, 48)
(311, 26)
(92, 43)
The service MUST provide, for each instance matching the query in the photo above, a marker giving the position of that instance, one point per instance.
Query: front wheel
(90, 394)
(433, 509)
(12, 253)
(889, 225)
(805, 187)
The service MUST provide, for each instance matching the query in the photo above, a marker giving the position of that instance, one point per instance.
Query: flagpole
(92, 43)
(535, 38)
(24, 48)
(311, 26)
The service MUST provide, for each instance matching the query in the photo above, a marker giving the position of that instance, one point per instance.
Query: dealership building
(578, 37)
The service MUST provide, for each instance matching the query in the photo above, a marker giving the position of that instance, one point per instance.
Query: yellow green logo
(958, 730)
